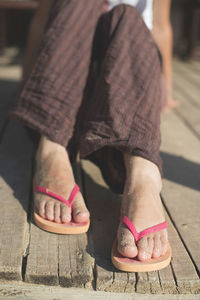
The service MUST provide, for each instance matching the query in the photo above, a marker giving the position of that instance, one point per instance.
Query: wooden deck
(34, 256)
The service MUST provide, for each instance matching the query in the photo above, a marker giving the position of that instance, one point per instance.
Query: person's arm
(163, 35)
(35, 35)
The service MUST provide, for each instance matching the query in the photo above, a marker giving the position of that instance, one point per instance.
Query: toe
(39, 205)
(126, 243)
(157, 246)
(80, 212)
(49, 210)
(65, 213)
(150, 246)
(41, 208)
(57, 212)
(164, 243)
(80, 215)
(145, 248)
(127, 250)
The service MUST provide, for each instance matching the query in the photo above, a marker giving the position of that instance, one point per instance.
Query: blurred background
(22, 26)
(15, 18)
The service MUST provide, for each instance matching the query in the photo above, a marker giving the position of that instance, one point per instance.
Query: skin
(142, 205)
(163, 36)
(141, 199)
(36, 31)
(53, 170)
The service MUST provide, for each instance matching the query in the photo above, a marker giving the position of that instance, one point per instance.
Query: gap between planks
(15, 158)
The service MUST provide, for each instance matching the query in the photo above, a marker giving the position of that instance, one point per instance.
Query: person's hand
(170, 104)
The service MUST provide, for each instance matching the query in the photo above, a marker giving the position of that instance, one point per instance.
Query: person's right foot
(54, 171)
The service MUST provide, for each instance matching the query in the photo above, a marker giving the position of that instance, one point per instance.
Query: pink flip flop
(133, 264)
(51, 226)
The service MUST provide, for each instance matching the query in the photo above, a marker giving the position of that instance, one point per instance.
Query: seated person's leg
(51, 98)
(124, 113)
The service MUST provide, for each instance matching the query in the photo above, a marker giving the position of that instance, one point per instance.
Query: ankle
(47, 147)
(141, 172)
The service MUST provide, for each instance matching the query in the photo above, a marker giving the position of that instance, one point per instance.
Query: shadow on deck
(34, 256)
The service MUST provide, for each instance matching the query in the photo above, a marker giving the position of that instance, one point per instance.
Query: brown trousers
(96, 86)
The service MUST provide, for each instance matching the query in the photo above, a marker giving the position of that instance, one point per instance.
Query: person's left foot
(142, 205)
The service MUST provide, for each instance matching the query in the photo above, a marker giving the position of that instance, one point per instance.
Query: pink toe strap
(44, 190)
(139, 235)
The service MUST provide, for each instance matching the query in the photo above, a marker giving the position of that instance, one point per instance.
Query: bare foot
(53, 170)
(142, 205)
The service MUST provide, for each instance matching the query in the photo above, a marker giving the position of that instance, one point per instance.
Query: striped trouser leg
(123, 99)
(124, 109)
(52, 95)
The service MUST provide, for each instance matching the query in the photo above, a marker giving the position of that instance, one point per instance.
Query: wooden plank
(187, 71)
(15, 172)
(130, 287)
(143, 285)
(42, 261)
(189, 109)
(42, 256)
(161, 282)
(191, 90)
(194, 66)
(192, 118)
(181, 190)
(104, 276)
(22, 291)
(10, 75)
(75, 263)
(149, 283)
(118, 282)
(75, 260)
(104, 206)
(168, 284)
(187, 280)
(59, 259)
(154, 280)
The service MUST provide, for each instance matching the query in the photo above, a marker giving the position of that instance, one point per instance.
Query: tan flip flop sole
(134, 265)
(71, 228)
